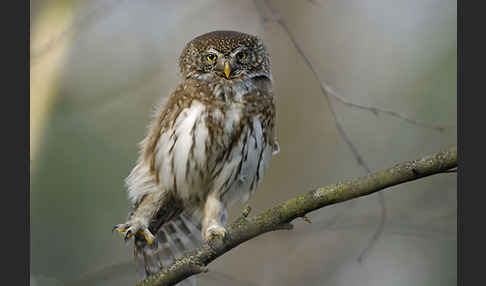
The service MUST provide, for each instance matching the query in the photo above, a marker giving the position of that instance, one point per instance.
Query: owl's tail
(177, 236)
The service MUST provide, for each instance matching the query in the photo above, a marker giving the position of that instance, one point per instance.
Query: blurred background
(360, 85)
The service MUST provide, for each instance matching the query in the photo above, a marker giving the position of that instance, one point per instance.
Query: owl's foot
(214, 231)
(132, 228)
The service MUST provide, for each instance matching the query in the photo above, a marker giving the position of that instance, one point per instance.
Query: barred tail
(181, 234)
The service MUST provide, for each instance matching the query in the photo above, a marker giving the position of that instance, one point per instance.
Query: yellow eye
(241, 56)
(211, 57)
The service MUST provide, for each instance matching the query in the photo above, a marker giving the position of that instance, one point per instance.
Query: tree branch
(280, 216)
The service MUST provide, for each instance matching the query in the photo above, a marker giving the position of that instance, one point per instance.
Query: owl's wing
(179, 235)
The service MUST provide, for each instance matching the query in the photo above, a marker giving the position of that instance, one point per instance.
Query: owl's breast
(212, 148)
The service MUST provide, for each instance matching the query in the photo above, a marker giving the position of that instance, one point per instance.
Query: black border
(460, 172)
(25, 135)
(16, 104)
(471, 78)
(27, 144)
(15, 208)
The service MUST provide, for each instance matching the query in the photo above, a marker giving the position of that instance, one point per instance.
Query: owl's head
(225, 54)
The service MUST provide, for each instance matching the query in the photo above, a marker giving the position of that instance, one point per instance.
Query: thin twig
(359, 158)
(326, 88)
(377, 110)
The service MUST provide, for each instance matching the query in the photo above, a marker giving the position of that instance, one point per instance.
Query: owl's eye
(211, 57)
(241, 56)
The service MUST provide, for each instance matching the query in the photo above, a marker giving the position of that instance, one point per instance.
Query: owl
(208, 146)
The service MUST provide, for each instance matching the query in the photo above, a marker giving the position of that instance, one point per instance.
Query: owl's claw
(120, 228)
(130, 229)
(214, 231)
(128, 234)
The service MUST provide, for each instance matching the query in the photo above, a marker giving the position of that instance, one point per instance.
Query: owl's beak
(227, 69)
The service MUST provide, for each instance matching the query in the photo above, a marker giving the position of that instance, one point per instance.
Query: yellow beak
(227, 69)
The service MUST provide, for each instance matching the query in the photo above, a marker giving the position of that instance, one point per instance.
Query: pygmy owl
(207, 147)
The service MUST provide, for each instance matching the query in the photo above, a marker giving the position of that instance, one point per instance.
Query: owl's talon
(119, 227)
(148, 236)
(130, 229)
(215, 231)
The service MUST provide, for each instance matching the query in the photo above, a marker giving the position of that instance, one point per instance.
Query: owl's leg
(214, 218)
(139, 220)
